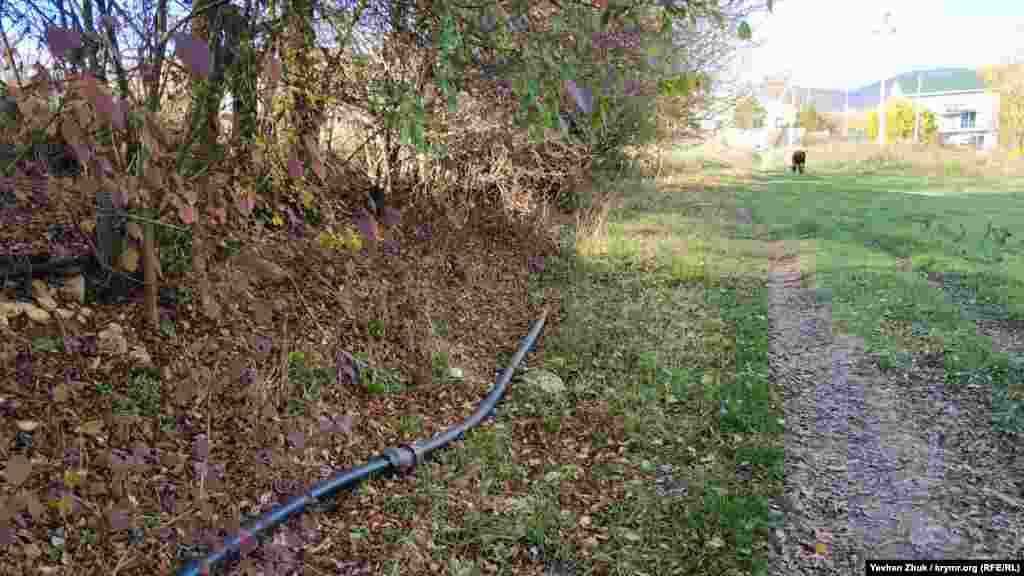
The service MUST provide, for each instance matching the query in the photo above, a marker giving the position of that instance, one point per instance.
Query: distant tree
(749, 113)
(899, 122)
(809, 118)
(1008, 81)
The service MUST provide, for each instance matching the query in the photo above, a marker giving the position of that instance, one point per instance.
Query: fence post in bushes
(149, 274)
(105, 218)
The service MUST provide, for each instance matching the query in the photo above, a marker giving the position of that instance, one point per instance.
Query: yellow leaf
(60, 393)
(64, 504)
(277, 220)
(87, 226)
(325, 239)
(72, 478)
(92, 428)
(307, 198)
(820, 548)
(130, 259)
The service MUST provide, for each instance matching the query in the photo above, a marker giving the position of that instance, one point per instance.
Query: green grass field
(667, 451)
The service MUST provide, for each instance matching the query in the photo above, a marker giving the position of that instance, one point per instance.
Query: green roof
(940, 80)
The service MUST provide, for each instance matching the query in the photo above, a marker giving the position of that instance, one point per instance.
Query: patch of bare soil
(878, 465)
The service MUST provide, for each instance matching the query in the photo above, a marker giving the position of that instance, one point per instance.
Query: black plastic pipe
(403, 458)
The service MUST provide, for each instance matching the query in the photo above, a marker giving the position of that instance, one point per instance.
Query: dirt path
(878, 466)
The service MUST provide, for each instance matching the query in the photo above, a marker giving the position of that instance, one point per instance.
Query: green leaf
(744, 31)
(666, 23)
(566, 72)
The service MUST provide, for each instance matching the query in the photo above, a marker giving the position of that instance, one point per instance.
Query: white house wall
(947, 108)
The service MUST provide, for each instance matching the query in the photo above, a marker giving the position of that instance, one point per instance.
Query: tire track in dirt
(875, 464)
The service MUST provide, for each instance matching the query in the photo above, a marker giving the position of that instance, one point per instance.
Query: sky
(829, 44)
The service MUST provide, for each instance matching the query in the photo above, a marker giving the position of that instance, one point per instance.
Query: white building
(967, 112)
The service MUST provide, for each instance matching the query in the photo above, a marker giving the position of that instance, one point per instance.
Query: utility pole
(846, 114)
(884, 30)
(917, 110)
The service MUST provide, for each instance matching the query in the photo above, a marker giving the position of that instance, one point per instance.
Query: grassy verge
(666, 449)
(663, 454)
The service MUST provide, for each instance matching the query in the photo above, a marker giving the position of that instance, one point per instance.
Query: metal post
(104, 228)
(882, 31)
(846, 115)
(917, 110)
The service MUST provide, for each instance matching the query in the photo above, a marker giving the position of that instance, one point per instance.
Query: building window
(967, 119)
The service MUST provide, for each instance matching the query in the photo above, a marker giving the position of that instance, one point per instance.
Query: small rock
(112, 340)
(47, 302)
(9, 309)
(260, 267)
(141, 356)
(40, 289)
(74, 289)
(64, 313)
(545, 380)
(27, 425)
(36, 314)
(85, 311)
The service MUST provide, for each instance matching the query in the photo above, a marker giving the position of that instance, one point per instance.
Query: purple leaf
(336, 425)
(344, 423)
(422, 232)
(391, 247)
(247, 377)
(345, 368)
(119, 518)
(168, 497)
(90, 345)
(294, 167)
(201, 447)
(297, 439)
(6, 534)
(72, 344)
(110, 109)
(194, 53)
(60, 41)
(367, 225)
(583, 97)
(263, 345)
(391, 217)
(142, 454)
(23, 368)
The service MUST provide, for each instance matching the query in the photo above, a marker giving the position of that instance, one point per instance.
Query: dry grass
(916, 159)
(592, 217)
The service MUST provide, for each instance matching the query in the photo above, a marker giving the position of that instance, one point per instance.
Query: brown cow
(799, 159)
